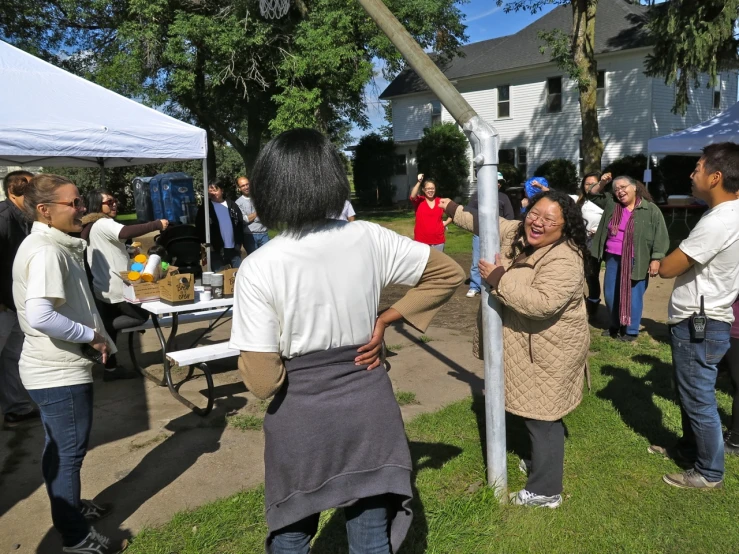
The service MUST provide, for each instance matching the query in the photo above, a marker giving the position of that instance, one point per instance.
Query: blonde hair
(41, 190)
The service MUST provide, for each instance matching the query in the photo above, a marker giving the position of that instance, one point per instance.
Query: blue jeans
(695, 364)
(252, 241)
(611, 290)
(475, 280)
(66, 413)
(367, 529)
(224, 257)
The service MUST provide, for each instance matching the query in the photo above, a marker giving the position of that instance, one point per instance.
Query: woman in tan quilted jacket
(539, 278)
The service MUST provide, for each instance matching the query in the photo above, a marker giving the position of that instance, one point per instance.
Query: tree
(373, 168)
(561, 174)
(574, 53)
(222, 66)
(442, 155)
(692, 37)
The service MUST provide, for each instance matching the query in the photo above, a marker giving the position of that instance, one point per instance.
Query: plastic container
(151, 271)
(216, 284)
(176, 197)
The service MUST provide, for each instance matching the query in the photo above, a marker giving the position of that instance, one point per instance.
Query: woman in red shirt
(429, 229)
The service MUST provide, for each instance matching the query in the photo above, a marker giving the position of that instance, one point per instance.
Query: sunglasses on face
(78, 203)
(110, 203)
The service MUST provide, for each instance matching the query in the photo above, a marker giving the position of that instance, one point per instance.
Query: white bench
(199, 357)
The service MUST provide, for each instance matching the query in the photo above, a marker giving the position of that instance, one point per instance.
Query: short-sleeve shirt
(107, 258)
(247, 208)
(307, 293)
(714, 245)
(347, 212)
(49, 264)
(429, 228)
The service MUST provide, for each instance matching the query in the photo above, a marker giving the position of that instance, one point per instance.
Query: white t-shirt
(714, 245)
(591, 214)
(347, 212)
(49, 264)
(320, 290)
(107, 257)
(224, 223)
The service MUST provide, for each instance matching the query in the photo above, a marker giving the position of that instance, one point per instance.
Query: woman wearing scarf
(633, 229)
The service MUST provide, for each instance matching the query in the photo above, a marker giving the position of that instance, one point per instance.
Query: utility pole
(484, 141)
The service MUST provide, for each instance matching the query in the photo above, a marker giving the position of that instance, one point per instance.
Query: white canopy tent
(722, 128)
(51, 117)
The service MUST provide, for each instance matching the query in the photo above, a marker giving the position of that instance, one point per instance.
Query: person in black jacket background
(226, 228)
(14, 227)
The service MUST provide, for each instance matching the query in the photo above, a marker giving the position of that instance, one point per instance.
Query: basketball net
(274, 9)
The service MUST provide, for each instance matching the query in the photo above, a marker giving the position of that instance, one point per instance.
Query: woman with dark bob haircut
(305, 320)
(539, 278)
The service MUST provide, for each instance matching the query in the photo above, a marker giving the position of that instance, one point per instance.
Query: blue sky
(484, 20)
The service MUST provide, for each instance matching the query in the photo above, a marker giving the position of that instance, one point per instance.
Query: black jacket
(14, 227)
(505, 209)
(216, 241)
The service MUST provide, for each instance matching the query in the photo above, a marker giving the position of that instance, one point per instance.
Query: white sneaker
(472, 293)
(526, 498)
(95, 543)
(524, 466)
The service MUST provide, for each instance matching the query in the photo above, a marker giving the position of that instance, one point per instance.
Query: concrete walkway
(151, 457)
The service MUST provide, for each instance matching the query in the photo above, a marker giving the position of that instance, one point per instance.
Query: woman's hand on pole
(486, 268)
(444, 202)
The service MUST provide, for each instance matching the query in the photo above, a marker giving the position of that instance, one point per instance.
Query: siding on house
(636, 108)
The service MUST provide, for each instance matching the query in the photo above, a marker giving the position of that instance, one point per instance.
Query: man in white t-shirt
(706, 268)
(226, 228)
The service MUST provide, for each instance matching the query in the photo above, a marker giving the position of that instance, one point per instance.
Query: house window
(522, 163)
(400, 167)
(600, 93)
(504, 102)
(717, 93)
(554, 94)
(507, 156)
(435, 113)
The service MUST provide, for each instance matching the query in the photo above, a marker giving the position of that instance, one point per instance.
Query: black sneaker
(610, 333)
(95, 543)
(93, 511)
(14, 420)
(731, 449)
(119, 373)
(628, 338)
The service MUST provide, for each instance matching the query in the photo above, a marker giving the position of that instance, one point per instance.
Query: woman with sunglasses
(59, 319)
(539, 278)
(107, 257)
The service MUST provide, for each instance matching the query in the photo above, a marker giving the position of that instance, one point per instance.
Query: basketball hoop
(274, 9)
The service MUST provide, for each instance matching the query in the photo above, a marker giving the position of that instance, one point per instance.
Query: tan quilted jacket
(546, 336)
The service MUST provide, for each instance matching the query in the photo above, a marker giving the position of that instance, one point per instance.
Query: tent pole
(206, 207)
(102, 172)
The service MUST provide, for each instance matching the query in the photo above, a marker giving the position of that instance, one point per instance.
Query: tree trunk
(583, 53)
(211, 160)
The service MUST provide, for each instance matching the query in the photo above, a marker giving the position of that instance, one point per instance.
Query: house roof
(619, 25)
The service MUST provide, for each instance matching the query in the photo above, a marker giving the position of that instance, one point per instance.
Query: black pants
(547, 456)
(592, 277)
(110, 312)
(730, 362)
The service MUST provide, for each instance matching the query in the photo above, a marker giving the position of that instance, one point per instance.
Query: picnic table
(679, 213)
(166, 315)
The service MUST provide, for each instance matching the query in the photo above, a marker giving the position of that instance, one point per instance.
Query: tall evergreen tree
(692, 37)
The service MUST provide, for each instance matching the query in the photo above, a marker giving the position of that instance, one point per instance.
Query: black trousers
(547, 456)
(730, 362)
(109, 312)
(592, 277)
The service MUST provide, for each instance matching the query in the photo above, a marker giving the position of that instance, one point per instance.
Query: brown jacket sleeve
(440, 279)
(263, 373)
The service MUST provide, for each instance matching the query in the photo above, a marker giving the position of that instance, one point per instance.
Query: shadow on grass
(425, 455)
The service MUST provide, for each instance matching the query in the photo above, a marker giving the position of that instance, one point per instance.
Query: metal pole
(206, 207)
(484, 141)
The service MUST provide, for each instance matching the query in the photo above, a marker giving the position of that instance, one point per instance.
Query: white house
(534, 105)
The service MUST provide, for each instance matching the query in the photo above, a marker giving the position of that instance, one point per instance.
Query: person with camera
(63, 334)
(700, 316)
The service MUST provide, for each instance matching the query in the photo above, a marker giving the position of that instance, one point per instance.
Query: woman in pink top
(429, 229)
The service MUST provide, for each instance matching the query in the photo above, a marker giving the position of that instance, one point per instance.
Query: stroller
(182, 247)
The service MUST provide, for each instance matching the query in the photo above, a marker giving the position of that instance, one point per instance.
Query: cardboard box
(139, 291)
(177, 288)
(229, 280)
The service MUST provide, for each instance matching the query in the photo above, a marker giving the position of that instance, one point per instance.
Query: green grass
(394, 347)
(126, 217)
(404, 398)
(426, 339)
(615, 500)
(245, 422)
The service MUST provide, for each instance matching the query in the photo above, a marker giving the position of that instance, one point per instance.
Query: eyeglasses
(77, 203)
(547, 223)
(111, 202)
